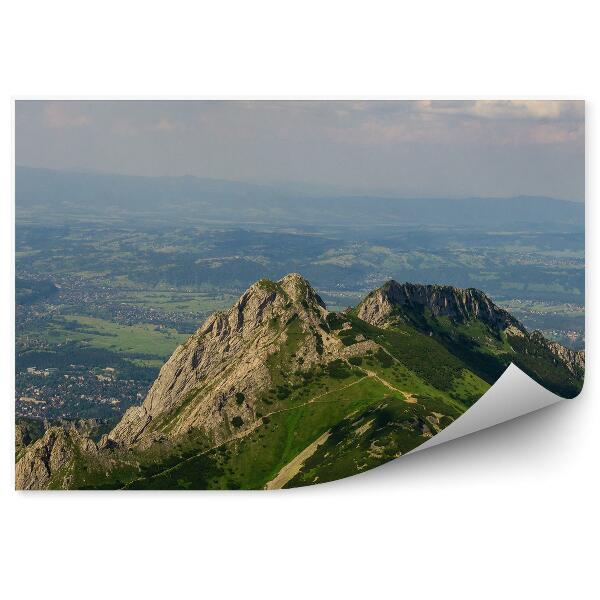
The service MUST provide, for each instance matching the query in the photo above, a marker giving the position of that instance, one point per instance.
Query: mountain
(234, 355)
(119, 198)
(280, 392)
(484, 336)
(409, 299)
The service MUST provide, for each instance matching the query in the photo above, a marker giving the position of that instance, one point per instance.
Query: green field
(152, 343)
(178, 301)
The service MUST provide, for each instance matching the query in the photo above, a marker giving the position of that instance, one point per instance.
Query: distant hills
(280, 392)
(59, 195)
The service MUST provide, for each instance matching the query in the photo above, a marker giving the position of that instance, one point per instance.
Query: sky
(401, 148)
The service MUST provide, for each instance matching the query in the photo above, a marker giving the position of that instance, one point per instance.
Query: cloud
(462, 122)
(166, 125)
(507, 109)
(386, 123)
(455, 147)
(60, 115)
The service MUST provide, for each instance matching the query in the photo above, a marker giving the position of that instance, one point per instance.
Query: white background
(509, 512)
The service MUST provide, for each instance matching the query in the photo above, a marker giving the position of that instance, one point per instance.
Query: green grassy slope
(487, 351)
(378, 400)
(409, 398)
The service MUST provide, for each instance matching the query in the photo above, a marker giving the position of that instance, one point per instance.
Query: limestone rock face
(46, 458)
(228, 355)
(573, 359)
(392, 299)
(442, 300)
(213, 385)
(22, 437)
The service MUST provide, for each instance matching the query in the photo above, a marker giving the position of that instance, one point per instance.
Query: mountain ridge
(460, 304)
(225, 337)
(271, 185)
(187, 198)
(256, 386)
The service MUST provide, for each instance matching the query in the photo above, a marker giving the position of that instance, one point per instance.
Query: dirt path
(292, 469)
(408, 397)
(315, 398)
(253, 426)
(237, 436)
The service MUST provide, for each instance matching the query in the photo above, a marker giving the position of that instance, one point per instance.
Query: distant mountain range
(280, 392)
(58, 194)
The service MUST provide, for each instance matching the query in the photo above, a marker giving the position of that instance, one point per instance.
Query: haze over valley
(119, 283)
(274, 294)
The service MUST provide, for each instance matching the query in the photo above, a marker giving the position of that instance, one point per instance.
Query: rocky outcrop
(215, 383)
(458, 304)
(573, 359)
(22, 437)
(49, 458)
(228, 356)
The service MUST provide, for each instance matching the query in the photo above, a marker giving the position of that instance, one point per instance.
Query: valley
(119, 279)
(136, 294)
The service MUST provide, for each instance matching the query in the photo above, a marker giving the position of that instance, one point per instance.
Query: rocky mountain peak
(292, 288)
(277, 345)
(458, 304)
(299, 289)
(50, 455)
(261, 302)
(228, 355)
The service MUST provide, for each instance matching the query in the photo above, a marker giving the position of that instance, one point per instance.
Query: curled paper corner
(513, 395)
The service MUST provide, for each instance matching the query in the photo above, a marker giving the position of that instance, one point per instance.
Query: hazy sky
(407, 148)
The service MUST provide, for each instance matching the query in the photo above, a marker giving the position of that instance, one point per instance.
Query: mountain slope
(215, 378)
(484, 336)
(280, 392)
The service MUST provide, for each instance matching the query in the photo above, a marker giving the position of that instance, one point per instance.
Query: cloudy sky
(404, 148)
